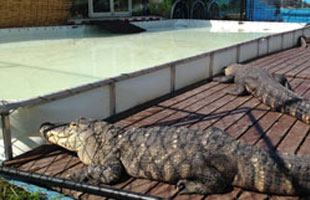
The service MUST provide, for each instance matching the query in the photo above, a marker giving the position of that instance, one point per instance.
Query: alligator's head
(92, 140)
(72, 136)
(231, 70)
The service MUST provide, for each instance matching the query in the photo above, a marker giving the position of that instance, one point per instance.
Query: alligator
(304, 41)
(272, 89)
(197, 161)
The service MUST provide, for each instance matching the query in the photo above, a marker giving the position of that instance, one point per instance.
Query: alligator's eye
(83, 120)
(74, 124)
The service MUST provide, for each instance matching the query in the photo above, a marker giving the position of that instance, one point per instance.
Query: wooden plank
(229, 196)
(237, 114)
(275, 57)
(141, 185)
(32, 155)
(297, 71)
(163, 190)
(203, 111)
(189, 94)
(229, 108)
(294, 137)
(42, 163)
(151, 111)
(275, 60)
(189, 197)
(299, 62)
(260, 127)
(289, 63)
(242, 125)
(167, 117)
(275, 134)
(63, 168)
(252, 195)
(305, 74)
(304, 148)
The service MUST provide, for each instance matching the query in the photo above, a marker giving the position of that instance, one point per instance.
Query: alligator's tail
(272, 173)
(298, 108)
(287, 102)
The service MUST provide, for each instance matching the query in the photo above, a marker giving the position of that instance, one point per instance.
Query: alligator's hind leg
(282, 80)
(224, 79)
(210, 182)
(108, 173)
(238, 91)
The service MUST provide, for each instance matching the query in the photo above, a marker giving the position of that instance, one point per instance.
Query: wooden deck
(245, 118)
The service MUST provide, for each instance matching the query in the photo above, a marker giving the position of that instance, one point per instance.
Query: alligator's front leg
(238, 91)
(211, 182)
(224, 79)
(109, 173)
(282, 80)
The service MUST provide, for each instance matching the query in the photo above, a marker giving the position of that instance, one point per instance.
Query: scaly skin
(202, 162)
(267, 88)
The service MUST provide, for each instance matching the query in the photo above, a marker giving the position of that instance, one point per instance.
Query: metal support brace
(6, 133)
(303, 31)
(294, 41)
(282, 42)
(112, 99)
(258, 48)
(238, 54)
(50, 181)
(172, 78)
(268, 45)
(211, 64)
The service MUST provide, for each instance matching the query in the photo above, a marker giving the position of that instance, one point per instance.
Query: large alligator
(197, 161)
(273, 90)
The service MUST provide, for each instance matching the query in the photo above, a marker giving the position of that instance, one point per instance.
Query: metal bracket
(112, 99)
(172, 78)
(6, 132)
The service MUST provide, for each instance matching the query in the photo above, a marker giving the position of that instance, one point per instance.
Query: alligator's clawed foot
(238, 91)
(223, 79)
(183, 187)
(190, 187)
(76, 177)
(212, 186)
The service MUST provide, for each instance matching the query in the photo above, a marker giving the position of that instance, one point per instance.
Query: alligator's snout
(62, 134)
(231, 69)
(48, 129)
(45, 127)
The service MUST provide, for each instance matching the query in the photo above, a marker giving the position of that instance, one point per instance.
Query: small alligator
(273, 90)
(202, 162)
(304, 41)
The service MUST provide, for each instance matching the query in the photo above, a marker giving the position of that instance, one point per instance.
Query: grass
(9, 191)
